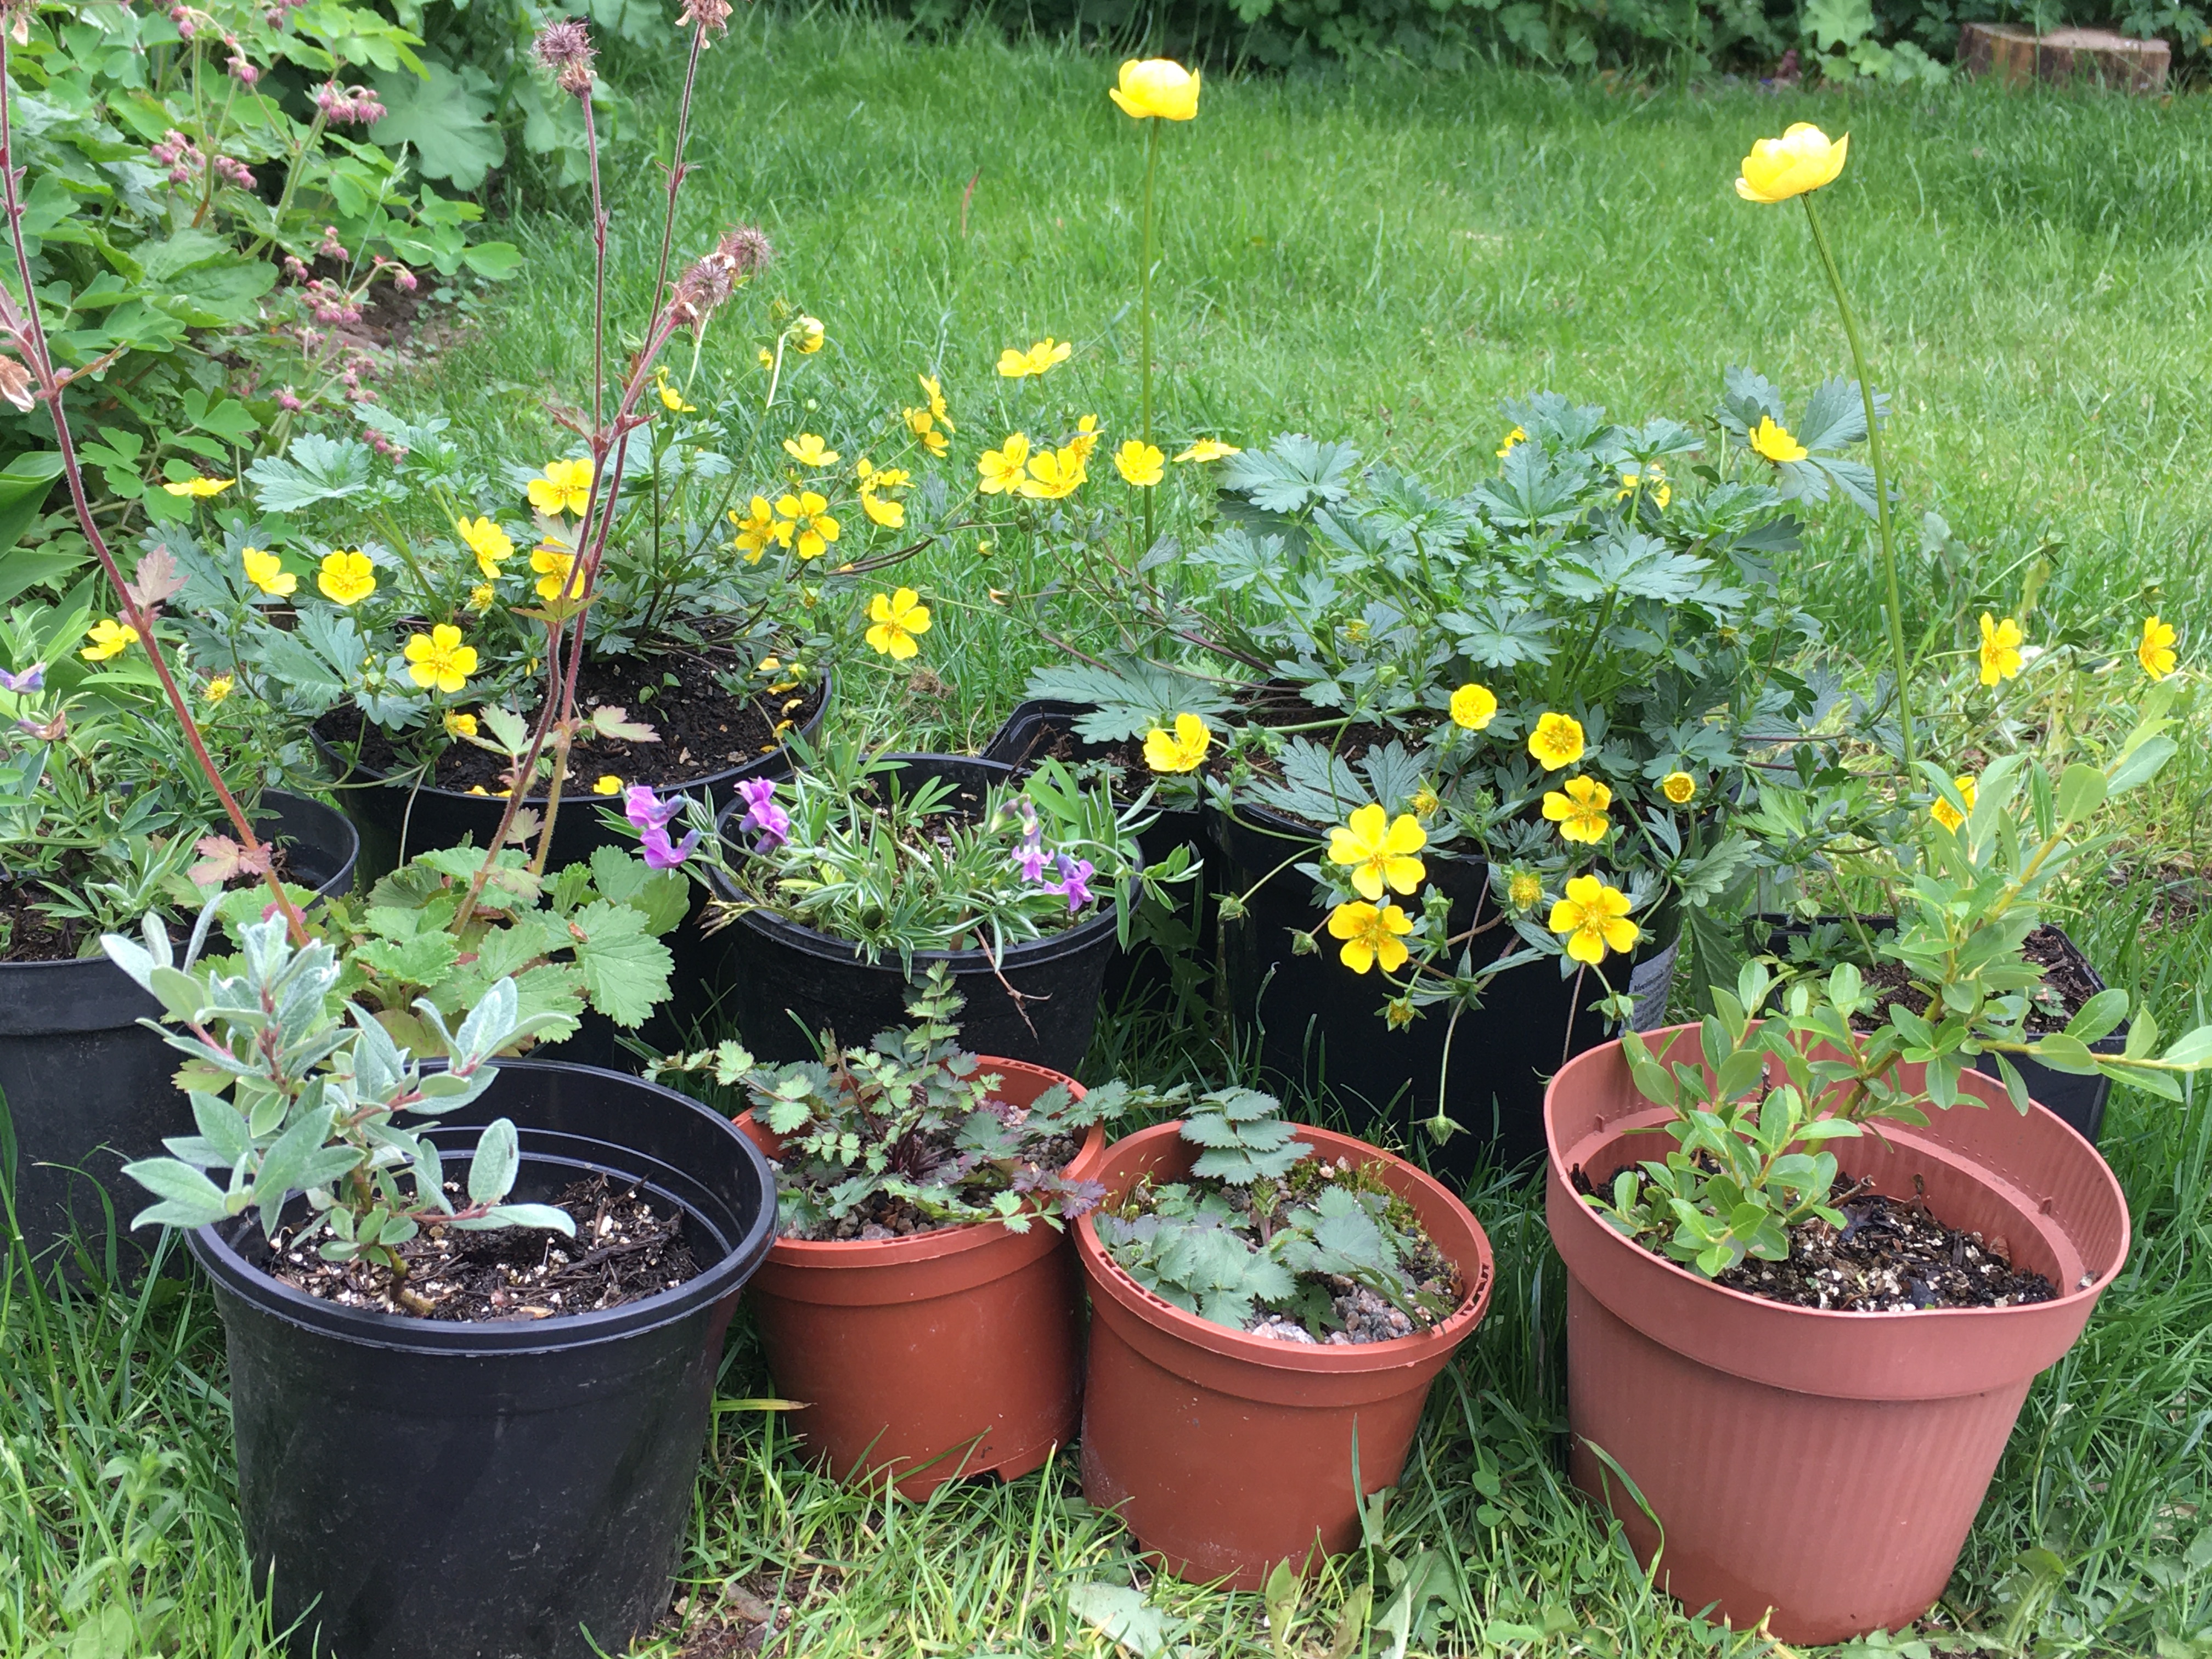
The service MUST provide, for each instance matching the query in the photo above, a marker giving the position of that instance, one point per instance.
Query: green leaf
(2142, 763)
(2193, 1051)
(2098, 1015)
(2063, 1052)
(495, 262)
(312, 469)
(445, 117)
(189, 1198)
(2081, 792)
(421, 961)
(625, 969)
(492, 1169)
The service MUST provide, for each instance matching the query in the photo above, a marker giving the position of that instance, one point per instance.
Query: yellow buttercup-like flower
(1557, 741)
(199, 489)
(217, 689)
(881, 478)
(890, 515)
(109, 638)
(1774, 442)
(806, 333)
(758, 529)
(1016, 364)
(1652, 481)
(458, 725)
(1086, 437)
(1593, 918)
(1156, 87)
(1379, 851)
(808, 517)
(671, 398)
(607, 784)
(482, 596)
(924, 425)
(484, 538)
(807, 449)
(898, 618)
(2155, 652)
(1180, 751)
(1947, 815)
(1425, 802)
(1679, 787)
(346, 578)
(438, 661)
(1054, 473)
(1002, 470)
(1801, 159)
(935, 393)
(1139, 464)
(266, 572)
(1513, 438)
(1208, 449)
(2000, 653)
(1524, 888)
(1372, 934)
(566, 487)
(556, 568)
(1578, 807)
(1473, 707)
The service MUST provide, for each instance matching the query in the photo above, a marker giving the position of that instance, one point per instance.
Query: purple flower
(762, 813)
(1029, 855)
(659, 854)
(646, 810)
(32, 679)
(1074, 882)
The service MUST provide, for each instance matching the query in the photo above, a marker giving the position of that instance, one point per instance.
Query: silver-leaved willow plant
(313, 1100)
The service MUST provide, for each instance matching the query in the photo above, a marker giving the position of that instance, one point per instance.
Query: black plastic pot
(2079, 1100)
(1171, 943)
(88, 1087)
(1321, 1026)
(784, 984)
(399, 818)
(414, 1489)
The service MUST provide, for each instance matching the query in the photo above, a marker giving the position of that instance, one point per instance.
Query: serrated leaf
(625, 969)
(313, 468)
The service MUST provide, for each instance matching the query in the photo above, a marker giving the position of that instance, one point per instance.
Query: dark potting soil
(1121, 763)
(2067, 985)
(882, 1216)
(624, 1249)
(701, 728)
(29, 934)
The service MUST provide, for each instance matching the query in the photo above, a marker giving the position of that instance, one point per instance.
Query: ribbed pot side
(1825, 1466)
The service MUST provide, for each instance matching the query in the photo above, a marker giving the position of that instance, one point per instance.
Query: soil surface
(883, 1217)
(624, 1250)
(2068, 983)
(701, 729)
(32, 935)
(1122, 762)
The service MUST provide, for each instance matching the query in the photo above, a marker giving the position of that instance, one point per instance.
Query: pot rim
(1110, 1276)
(938, 1242)
(374, 1327)
(371, 777)
(1974, 1082)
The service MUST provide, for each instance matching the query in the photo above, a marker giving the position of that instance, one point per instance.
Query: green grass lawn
(1379, 257)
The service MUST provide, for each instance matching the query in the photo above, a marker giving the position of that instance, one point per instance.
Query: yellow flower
(807, 335)
(1774, 442)
(1653, 480)
(1523, 889)
(671, 398)
(1474, 706)
(759, 527)
(1947, 815)
(1139, 464)
(437, 659)
(1086, 437)
(890, 515)
(1054, 473)
(2155, 652)
(1015, 364)
(1580, 810)
(884, 477)
(1157, 87)
(1208, 449)
(266, 572)
(807, 450)
(897, 617)
(808, 519)
(923, 425)
(458, 725)
(1516, 436)
(200, 489)
(566, 487)
(936, 396)
(1679, 787)
(555, 567)
(347, 578)
(482, 596)
(1801, 159)
(1380, 850)
(488, 542)
(1181, 753)
(1001, 469)
(1594, 918)
(608, 784)
(217, 689)
(1557, 741)
(2000, 653)
(1371, 934)
(108, 639)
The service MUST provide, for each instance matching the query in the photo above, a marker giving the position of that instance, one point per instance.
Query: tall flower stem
(1893, 602)
(1145, 302)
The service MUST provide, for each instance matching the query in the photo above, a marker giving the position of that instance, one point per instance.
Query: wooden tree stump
(2018, 55)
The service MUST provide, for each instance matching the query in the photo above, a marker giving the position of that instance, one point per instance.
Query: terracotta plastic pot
(949, 1353)
(1826, 1466)
(1227, 1453)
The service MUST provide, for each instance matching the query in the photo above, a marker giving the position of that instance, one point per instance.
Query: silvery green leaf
(189, 1198)
(377, 1061)
(430, 1175)
(520, 1215)
(178, 993)
(490, 1023)
(130, 956)
(284, 1165)
(492, 1170)
(222, 1126)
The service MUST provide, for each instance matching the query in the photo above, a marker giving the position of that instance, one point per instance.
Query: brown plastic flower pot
(1824, 1466)
(949, 1353)
(1227, 1453)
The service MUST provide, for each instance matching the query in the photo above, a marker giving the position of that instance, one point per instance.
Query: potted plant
(563, 1392)
(1269, 1305)
(1831, 1275)
(921, 1299)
